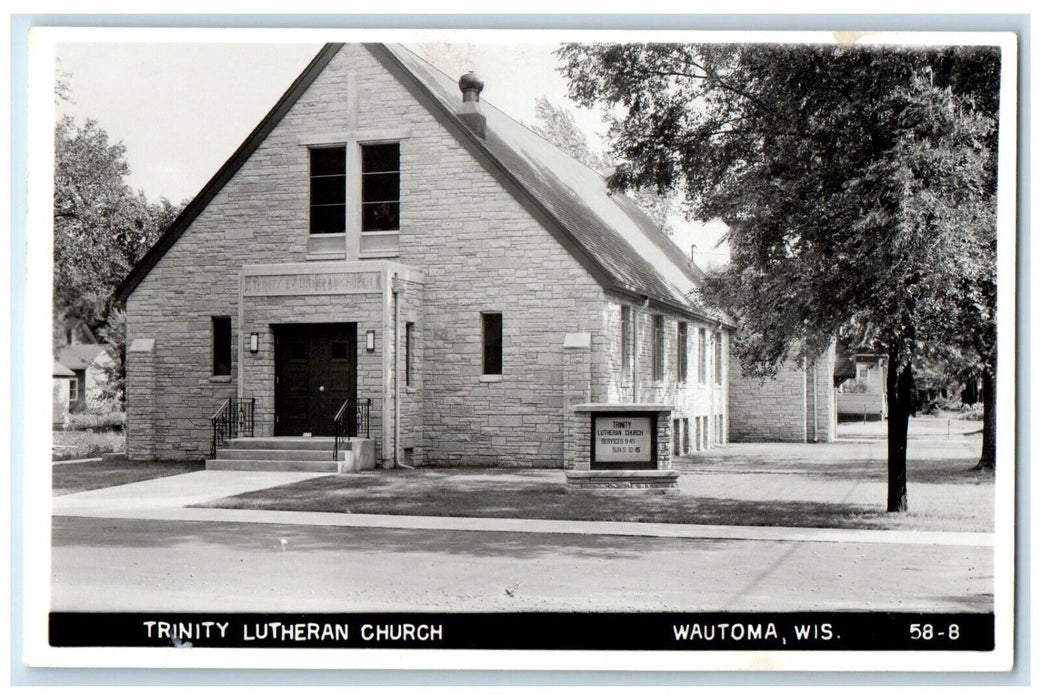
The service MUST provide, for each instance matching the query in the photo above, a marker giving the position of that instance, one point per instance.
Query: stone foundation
(622, 479)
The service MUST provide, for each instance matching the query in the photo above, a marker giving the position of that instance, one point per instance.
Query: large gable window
(380, 198)
(328, 190)
(380, 186)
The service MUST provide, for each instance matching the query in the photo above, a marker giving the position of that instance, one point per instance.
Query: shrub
(950, 403)
(96, 421)
(973, 412)
(80, 444)
(854, 387)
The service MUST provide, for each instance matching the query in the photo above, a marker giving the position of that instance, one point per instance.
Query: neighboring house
(385, 235)
(87, 363)
(62, 378)
(796, 405)
(70, 330)
(860, 381)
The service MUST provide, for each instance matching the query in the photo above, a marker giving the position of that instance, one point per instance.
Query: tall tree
(101, 228)
(858, 184)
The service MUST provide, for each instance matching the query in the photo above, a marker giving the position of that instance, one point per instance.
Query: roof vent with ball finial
(470, 110)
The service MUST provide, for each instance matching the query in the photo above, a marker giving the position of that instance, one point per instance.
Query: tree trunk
(990, 422)
(899, 392)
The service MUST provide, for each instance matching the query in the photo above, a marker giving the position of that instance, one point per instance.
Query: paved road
(132, 564)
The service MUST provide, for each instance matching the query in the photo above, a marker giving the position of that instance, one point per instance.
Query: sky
(181, 109)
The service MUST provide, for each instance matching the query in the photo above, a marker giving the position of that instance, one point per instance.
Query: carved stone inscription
(312, 283)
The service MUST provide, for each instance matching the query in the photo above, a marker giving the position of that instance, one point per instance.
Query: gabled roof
(80, 356)
(226, 172)
(61, 371)
(608, 234)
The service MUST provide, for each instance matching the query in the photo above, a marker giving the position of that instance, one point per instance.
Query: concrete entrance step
(281, 443)
(259, 465)
(276, 455)
(286, 454)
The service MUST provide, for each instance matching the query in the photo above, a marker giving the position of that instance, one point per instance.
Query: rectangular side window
(221, 346)
(491, 340)
(74, 389)
(408, 354)
(328, 190)
(659, 348)
(627, 338)
(681, 352)
(719, 359)
(702, 355)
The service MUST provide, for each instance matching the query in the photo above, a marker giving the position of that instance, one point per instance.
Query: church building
(389, 256)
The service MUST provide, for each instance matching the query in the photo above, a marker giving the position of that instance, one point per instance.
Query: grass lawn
(837, 485)
(73, 478)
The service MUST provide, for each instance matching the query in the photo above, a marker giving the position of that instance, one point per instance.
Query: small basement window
(221, 346)
(491, 341)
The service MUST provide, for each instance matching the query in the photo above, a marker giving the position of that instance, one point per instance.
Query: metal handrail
(344, 429)
(234, 416)
(220, 409)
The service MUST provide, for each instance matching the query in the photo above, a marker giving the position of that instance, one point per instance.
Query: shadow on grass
(261, 537)
(938, 471)
(417, 493)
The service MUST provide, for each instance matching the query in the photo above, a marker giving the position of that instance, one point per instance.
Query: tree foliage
(101, 229)
(858, 185)
(101, 226)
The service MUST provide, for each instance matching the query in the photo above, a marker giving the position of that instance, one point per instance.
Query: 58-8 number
(926, 631)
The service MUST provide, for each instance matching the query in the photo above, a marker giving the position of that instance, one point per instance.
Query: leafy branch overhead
(101, 226)
(858, 183)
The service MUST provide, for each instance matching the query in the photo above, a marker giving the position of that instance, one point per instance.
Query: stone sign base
(621, 478)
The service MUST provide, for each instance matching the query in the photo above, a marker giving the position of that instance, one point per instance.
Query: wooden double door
(316, 370)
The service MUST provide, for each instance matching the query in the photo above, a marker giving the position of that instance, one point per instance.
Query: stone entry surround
(578, 458)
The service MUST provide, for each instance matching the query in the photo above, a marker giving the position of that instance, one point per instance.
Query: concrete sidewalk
(169, 498)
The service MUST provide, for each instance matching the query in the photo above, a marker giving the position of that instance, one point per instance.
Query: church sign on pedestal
(623, 441)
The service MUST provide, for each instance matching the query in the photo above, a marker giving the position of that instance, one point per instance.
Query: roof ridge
(508, 115)
(665, 240)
